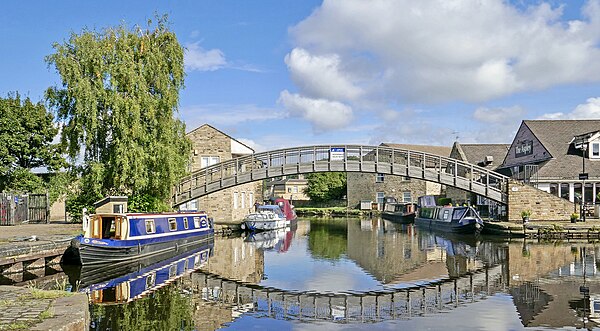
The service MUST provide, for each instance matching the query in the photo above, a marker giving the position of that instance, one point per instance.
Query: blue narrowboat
(121, 237)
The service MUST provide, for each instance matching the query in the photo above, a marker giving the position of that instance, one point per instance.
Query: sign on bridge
(336, 154)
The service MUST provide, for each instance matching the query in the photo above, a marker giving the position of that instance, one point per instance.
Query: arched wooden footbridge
(348, 158)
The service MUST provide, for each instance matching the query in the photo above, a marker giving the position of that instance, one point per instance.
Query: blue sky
(288, 73)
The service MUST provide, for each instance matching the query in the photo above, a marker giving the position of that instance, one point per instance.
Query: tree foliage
(26, 132)
(326, 186)
(118, 104)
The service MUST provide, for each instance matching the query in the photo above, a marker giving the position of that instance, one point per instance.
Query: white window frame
(379, 177)
(172, 221)
(208, 160)
(404, 195)
(243, 198)
(592, 146)
(380, 197)
(235, 200)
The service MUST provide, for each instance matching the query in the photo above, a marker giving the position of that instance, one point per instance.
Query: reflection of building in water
(555, 285)
(384, 255)
(235, 259)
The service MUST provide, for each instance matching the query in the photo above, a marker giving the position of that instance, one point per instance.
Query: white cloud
(323, 114)
(197, 58)
(499, 115)
(439, 50)
(320, 76)
(588, 110)
(500, 124)
(227, 115)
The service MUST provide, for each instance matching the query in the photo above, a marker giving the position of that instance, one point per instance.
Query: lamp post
(583, 148)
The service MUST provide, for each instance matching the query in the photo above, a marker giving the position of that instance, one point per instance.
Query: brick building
(228, 206)
(375, 187)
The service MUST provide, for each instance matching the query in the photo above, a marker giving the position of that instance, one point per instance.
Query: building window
(379, 178)
(172, 224)
(588, 195)
(206, 161)
(251, 198)
(564, 191)
(295, 189)
(404, 178)
(185, 223)
(150, 228)
(577, 189)
(595, 151)
(235, 200)
(554, 189)
(243, 198)
(380, 197)
(289, 190)
(406, 197)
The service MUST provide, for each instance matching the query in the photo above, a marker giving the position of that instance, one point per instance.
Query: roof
(437, 150)
(476, 154)
(556, 136)
(221, 132)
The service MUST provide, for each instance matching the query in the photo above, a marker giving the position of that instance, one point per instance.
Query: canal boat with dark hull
(121, 288)
(450, 219)
(119, 237)
(399, 212)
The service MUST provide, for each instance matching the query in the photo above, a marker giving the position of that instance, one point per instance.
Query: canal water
(352, 274)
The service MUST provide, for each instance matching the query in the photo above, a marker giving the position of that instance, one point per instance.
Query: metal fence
(32, 208)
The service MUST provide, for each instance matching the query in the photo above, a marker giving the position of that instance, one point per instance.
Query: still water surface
(351, 274)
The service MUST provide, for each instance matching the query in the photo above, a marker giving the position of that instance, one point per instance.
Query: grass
(18, 326)
(49, 294)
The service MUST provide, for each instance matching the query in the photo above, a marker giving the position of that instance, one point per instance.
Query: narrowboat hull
(471, 227)
(89, 251)
(402, 218)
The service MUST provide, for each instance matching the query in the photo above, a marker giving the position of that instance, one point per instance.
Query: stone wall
(208, 141)
(544, 206)
(363, 186)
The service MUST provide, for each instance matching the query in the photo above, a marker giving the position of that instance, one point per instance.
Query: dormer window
(594, 150)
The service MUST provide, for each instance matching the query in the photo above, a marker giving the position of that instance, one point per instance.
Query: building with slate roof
(489, 156)
(551, 155)
(375, 187)
(211, 146)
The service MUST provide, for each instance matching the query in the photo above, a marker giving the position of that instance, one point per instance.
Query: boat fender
(243, 226)
(176, 247)
(139, 248)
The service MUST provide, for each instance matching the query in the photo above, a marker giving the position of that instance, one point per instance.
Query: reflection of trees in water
(165, 309)
(328, 238)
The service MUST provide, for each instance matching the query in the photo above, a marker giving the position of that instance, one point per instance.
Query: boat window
(197, 222)
(459, 213)
(446, 214)
(185, 223)
(172, 224)
(96, 225)
(150, 228)
(173, 271)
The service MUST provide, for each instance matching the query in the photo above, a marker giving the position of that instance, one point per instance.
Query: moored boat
(266, 217)
(400, 212)
(450, 219)
(119, 237)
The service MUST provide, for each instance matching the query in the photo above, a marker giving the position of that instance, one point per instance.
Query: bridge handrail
(264, 160)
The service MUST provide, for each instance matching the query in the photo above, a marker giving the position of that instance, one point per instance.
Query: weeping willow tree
(117, 106)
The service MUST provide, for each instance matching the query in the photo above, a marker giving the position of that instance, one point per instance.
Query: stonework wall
(207, 141)
(457, 195)
(544, 206)
(363, 186)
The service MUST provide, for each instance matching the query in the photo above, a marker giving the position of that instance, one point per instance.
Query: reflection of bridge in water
(427, 297)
